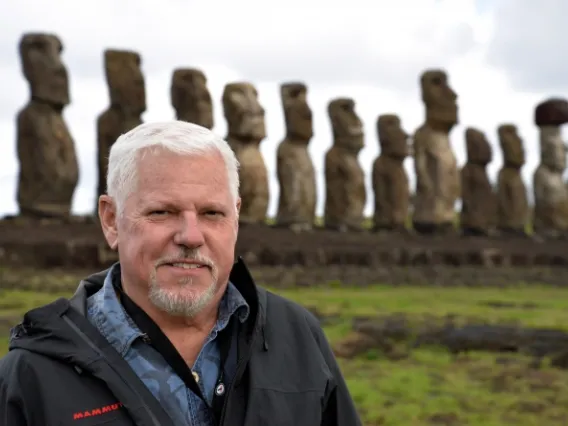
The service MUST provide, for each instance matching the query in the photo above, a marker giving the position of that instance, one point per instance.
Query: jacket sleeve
(10, 413)
(11, 405)
(339, 409)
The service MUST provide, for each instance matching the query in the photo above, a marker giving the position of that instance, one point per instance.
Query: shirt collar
(120, 329)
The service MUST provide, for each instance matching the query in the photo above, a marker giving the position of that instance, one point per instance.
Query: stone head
(478, 148)
(551, 112)
(297, 112)
(346, 125)
(549, 116)
(440, 100)
(392, 138)
(125, 80)
(243, 112)
(40, 55)
(191, 98)
(511, 145)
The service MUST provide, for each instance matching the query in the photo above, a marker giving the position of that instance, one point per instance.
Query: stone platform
(281, 252)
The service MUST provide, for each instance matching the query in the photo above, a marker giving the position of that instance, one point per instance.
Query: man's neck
(202, 322)
(187, 335)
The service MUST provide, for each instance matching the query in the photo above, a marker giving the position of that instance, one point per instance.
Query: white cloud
(529, 44)
(372, 52)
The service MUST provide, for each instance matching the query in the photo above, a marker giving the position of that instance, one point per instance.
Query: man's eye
(158, 212)
(214, 213)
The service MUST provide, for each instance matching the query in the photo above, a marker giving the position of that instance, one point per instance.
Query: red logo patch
(97, 411)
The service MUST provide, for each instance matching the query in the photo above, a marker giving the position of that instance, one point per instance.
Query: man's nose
(189, 233)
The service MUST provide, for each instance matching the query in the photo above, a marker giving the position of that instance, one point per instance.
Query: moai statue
(479, 202)
(437, 177)
(550, 192)
(294, 167)
(246, 130)
(345, 180)
(390, 181)
(127, 104)
(191, 98)
(49, 170)
(512, 202)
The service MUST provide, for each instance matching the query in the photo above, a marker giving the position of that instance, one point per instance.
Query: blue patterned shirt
(105, 312)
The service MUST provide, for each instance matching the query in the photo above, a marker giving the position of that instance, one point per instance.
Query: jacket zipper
(240, 366)
(92, 345)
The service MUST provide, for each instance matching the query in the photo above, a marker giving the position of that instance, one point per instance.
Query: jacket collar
(240, 276)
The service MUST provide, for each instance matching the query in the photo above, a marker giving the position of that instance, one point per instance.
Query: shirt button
(195, 376)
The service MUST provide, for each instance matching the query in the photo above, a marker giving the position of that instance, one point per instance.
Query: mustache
(186, 256)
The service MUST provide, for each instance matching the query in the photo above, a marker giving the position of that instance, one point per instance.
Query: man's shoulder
(280, 308)
(293, 329)
(14, 364)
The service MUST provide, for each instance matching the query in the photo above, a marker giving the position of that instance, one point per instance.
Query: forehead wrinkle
(218, 193)
(155, 175)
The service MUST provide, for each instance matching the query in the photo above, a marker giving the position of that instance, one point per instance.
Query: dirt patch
(530, 407)
(390, 333)
(508, 305)
(324, 319)
(445, 419)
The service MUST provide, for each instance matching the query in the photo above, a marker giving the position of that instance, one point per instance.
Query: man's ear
(238, 209)
(108, 218)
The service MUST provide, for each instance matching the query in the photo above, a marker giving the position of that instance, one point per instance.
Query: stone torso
(49, 169)
(478, 199)
(296, 174)
(513, 206)
(254, 189)
(551, 201)
(437, 177)
(345, 190)
(392, 193)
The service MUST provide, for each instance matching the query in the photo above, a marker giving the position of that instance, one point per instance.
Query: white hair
(179, 137)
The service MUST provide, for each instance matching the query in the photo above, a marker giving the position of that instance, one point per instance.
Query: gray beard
(185, 305)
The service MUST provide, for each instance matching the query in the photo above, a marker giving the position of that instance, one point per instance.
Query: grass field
(429, 387)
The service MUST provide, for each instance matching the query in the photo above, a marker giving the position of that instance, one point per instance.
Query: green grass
(473, 391)
(429, 387)
(538, 306)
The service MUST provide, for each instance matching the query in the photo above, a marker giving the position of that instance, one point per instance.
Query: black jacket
(61, 371)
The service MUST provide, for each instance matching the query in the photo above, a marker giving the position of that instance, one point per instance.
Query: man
(176, 332)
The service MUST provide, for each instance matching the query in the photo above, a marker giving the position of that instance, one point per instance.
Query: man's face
(177, 235)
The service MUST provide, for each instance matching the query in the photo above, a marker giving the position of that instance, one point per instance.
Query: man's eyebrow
(218, 205)
(156, 202)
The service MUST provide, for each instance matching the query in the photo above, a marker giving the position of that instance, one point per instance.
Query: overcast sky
(502, 57)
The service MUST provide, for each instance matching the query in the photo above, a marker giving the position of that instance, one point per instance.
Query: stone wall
(283, 258)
